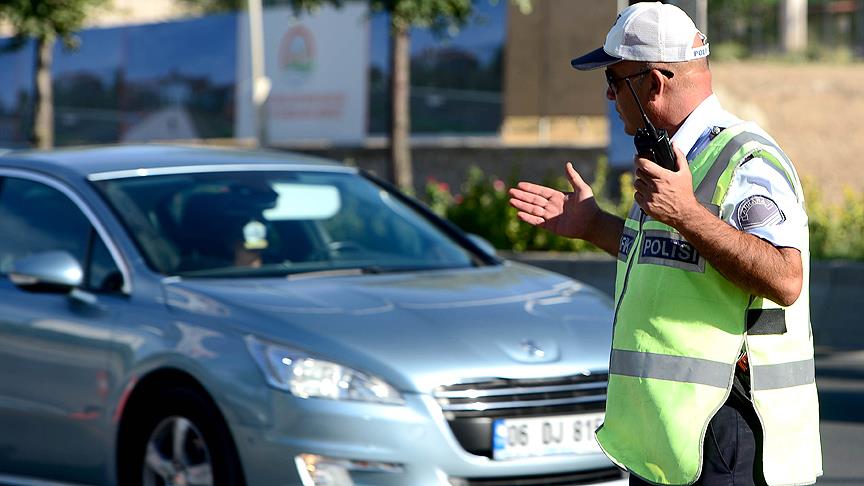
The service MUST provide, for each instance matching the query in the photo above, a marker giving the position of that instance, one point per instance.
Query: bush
(481, 207)
(836, 230)
(728, 51)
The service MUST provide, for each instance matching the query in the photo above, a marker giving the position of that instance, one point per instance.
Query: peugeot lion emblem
(533, 350)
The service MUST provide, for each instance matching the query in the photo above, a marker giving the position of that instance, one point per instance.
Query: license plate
(513, 438)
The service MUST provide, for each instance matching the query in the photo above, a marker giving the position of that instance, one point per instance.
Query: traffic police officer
(711, 376)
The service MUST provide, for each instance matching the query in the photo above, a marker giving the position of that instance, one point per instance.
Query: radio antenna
(650, 142)
(650, 127)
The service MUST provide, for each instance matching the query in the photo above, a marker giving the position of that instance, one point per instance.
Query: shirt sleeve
(761, 201)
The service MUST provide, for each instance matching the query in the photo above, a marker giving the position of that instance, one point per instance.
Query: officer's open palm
(566, 214)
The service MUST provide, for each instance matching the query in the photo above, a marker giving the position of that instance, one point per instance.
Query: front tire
(178, 438)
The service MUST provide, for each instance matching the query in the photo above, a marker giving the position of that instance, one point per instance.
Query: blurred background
(492, 87)
(478, 91)
(455, 101)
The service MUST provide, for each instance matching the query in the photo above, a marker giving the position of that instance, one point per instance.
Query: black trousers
(732, 448)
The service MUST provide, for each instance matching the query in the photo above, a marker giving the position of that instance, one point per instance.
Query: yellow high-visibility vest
(679, 329)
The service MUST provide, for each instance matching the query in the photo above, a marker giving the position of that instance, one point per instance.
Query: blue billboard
(178, 80)
(455, 78)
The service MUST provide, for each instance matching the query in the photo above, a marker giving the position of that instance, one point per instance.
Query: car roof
(91, 162)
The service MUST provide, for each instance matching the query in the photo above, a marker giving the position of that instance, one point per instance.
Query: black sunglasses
(612, 81)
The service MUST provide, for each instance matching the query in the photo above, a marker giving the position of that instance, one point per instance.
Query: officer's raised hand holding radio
(709, 280)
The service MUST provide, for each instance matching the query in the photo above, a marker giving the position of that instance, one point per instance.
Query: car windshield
(268, 223)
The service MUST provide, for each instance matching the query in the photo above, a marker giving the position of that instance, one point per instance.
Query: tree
(439, 15)
(750, 23)
(45, 20)
(793, 25)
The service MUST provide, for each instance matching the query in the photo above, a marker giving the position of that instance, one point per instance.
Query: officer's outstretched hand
(567, 214)
(665, 195)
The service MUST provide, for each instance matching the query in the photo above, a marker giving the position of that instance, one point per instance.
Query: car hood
(420, 330)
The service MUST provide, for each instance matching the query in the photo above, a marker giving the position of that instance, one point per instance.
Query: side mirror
(47, 271)
(483, 244)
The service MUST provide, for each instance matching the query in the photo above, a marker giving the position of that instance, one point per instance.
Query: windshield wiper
(297, 274)
(336, 272)
(363, 270)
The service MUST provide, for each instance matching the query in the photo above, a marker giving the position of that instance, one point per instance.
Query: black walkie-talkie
(652, 143)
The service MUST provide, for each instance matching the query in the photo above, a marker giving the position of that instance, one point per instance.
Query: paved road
(840, 379)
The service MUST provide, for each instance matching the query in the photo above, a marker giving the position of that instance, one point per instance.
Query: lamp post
(260, 81)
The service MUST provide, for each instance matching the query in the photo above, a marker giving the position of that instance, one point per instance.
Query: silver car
(191, 317)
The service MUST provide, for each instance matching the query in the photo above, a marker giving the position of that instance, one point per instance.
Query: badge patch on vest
(671, 250)
(756, 212)
(626, 243)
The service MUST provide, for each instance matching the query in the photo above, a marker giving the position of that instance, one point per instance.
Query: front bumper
(414, 438)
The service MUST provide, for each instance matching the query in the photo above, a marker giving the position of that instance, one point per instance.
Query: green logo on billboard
(297, 50)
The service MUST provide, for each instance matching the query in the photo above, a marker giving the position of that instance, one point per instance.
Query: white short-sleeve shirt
(760, 201)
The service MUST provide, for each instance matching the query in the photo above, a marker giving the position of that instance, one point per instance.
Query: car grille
(568, 479)
(471, 407)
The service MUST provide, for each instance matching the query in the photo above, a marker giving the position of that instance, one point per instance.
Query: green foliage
(830, 53)
(212, 6)
(728, 51)
(482, 207)
(749, 29)
(438, 197)
(836, 230)
(47, 18)
(752, 24)
(419, 13)
(438, 15)
(816, 52)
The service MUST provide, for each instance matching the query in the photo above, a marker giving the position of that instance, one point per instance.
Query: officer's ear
(658, 84)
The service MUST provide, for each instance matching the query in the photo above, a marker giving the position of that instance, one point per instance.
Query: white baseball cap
(647, 31)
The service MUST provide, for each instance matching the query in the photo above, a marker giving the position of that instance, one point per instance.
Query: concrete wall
(836, 289)
(538, 78)
(545, 99)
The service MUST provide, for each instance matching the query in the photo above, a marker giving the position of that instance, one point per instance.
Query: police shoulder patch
(756, 212)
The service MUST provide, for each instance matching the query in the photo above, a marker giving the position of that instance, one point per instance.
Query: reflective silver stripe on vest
(628, 236)
(712, 208)
(634, 212)
(670, 249)
(788, 173)
(670, 368)
(784, 375)
(705, 191)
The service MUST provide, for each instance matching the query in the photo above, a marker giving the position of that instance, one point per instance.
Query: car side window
(102, 274)
(35, 217)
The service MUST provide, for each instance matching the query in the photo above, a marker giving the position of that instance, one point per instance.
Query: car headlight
(306, 376)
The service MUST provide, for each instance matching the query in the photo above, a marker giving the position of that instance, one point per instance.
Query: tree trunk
(697, 10)
(858, 28)
(793, 25)
(43, 99)
(400, 114)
